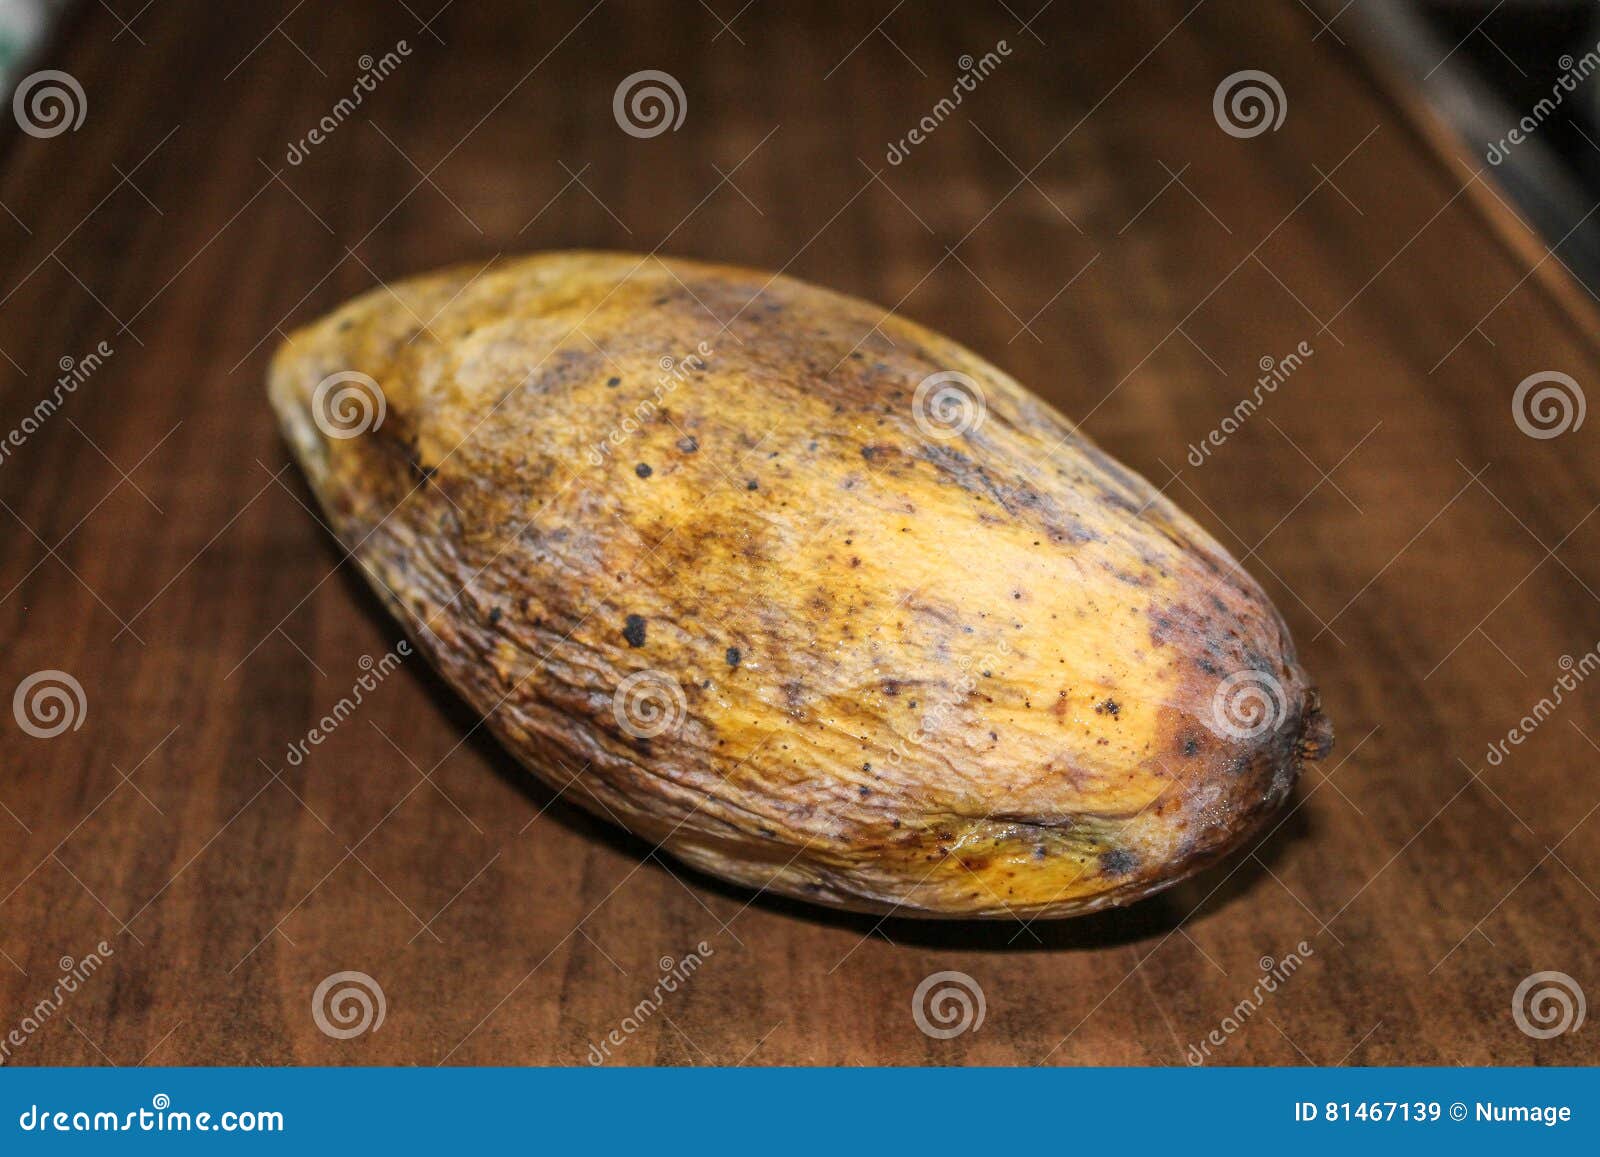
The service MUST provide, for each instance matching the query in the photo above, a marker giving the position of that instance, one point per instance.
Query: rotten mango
(808, 595)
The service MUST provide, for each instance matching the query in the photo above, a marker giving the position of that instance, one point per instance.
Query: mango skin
(967, 673)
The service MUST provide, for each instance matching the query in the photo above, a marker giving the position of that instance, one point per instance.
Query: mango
(810, 597)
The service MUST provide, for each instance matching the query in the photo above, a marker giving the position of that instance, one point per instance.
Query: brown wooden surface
(1082, 220)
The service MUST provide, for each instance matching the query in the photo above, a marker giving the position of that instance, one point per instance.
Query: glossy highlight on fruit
(814, 598)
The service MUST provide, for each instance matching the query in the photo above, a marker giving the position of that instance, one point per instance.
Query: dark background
(1082, 220)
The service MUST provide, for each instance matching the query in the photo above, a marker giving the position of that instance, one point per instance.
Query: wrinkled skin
(891, 668)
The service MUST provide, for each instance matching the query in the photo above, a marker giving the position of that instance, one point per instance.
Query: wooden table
(1082, 219)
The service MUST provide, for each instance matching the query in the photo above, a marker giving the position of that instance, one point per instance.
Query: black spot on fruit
(733, 656)
(613, 383)
(643, 470)
(633, 630)
(688, 444)
(1117, 862)
(1108, 707)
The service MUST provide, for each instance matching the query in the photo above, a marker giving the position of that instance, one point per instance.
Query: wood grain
(1080, 219)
